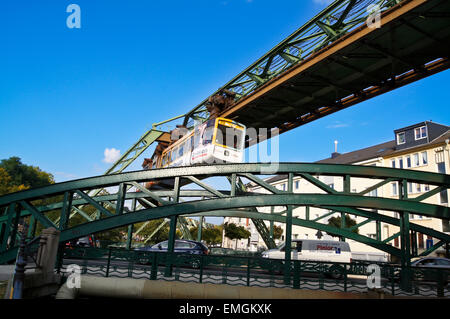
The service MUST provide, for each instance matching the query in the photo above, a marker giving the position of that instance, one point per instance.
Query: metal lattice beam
(232, 202)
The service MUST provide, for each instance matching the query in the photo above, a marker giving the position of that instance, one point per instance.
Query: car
(87, 241)
(182, 246)
(433, 262)
(71, 247)
(425, 269)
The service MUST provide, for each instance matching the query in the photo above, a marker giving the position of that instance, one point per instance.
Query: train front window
(229, 136)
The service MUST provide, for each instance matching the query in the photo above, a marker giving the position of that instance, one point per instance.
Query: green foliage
(236, 232)
(277, 232)
(25, 175)
(6, 185)
(336, 222)
(161, 235)
(212, 235)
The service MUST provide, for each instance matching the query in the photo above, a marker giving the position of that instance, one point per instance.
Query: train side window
(180, 152)
(174, 154)
(190, 145)
(196, 138)
(208, 135)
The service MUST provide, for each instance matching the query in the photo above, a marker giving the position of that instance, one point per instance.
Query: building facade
(423, 146)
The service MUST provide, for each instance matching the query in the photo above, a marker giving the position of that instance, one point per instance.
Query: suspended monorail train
(215, 141)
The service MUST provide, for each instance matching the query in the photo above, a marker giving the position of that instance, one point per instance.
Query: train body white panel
(213, 142)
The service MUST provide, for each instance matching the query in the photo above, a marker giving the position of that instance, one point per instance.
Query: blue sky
(66, 95)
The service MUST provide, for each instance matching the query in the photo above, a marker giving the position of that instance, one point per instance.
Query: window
(208, 135)
(229, 136)
(420, 132)
(443, 262)
(164, 245)
(400, 162)
(439, 157)
(331, 186)
(180, 151)
(373, 193)
(424, 158)
(393, 163)
(394, 189)
(401, 139)
(426, 188)
(283, 187)
(418, 188)
(164, 160)
(443, 194)
(183, 245)
(408, 161)
(174, 154)
(416, 159)
(297, 184)
(444, 197)
(410, 188)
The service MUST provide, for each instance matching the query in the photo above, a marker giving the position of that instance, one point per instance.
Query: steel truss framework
(209, 201)
(333, 61)
(338, 59)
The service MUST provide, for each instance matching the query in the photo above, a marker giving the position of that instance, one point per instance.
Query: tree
(211, 235)
(336, 222)
(277, 232)
(235, 232)
(6, 186)
(24, 175)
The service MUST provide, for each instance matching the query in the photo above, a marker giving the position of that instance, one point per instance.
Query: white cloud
(338, 125)
(111, 155)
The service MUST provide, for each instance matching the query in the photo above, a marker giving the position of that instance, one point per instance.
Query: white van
(370, 256)
(314, 250)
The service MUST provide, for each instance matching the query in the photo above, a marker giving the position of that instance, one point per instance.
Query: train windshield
(229, 135)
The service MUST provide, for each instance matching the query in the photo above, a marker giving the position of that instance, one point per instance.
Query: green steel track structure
(336, 60)
(333, 61)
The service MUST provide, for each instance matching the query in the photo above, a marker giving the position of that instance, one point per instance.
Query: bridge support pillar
(288, 245)
(171, 245)
(200, 228)
(405, 260)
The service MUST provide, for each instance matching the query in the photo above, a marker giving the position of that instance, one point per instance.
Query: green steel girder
(339, 18)
(371, 172)
(239, 188)
(327, 198)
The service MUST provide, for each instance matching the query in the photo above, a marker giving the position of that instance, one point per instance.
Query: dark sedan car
(182, 246)
(432, 269)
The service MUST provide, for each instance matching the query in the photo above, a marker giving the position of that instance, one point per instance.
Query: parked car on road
(182, 246)
(87, 241)
(432, 269)
(433, 262)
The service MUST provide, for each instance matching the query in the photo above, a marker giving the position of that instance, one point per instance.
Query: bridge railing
(355, 277)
